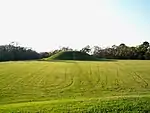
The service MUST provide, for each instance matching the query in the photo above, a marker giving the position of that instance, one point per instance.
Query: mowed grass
(75, 86)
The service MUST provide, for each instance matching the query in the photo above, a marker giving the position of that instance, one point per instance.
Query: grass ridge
(80, 99)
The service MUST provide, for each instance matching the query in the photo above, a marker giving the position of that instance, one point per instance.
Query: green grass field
(75, 86)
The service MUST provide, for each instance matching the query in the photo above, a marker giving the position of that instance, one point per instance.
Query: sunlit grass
(73, 85)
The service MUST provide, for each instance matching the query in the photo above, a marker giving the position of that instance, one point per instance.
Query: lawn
(75, 86)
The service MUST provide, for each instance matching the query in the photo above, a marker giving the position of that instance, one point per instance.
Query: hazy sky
(48, 24)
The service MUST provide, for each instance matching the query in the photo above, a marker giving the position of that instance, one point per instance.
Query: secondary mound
(72, 55)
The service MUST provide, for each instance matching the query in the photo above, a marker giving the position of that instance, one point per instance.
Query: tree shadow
(72, 61)
(108, 60)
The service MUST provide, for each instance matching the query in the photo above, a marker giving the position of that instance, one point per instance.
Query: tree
(96, 51)
(66, 49)
(86, 49)
(44, 55)
(142, 49)
(147, 54)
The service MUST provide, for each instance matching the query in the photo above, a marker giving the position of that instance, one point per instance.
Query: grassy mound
(72, 55)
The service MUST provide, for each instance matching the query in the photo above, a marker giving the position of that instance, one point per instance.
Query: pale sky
(45, 25)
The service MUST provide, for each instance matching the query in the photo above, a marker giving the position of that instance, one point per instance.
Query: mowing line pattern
(34, 81)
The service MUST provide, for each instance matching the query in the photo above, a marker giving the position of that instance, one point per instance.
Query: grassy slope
(69, 85)
(72, 55)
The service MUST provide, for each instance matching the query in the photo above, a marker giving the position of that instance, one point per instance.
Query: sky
(45, 25)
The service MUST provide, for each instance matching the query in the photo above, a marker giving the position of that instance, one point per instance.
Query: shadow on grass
(72, 61)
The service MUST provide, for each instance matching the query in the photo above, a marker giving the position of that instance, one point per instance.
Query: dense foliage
(12, 52)
(124, 52)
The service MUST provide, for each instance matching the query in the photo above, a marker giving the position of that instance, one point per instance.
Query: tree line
(122, 51)
(13, 52)
(141, 52)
